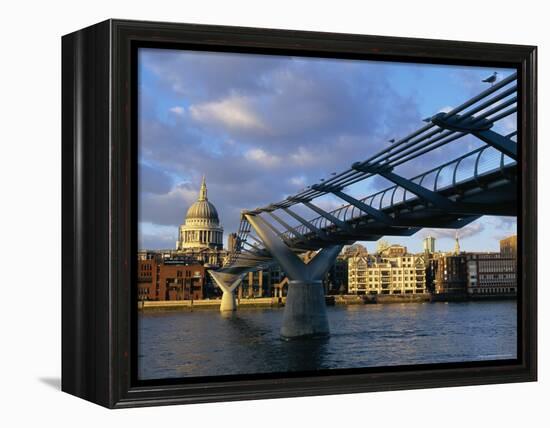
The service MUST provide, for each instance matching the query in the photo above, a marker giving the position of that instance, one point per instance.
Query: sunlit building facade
(387, 274)
(429, 244)
(509, 246)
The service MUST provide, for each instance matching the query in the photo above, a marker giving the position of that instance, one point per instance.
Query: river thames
(175, 344)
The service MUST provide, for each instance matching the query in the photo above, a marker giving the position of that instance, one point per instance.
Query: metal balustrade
(482, 161)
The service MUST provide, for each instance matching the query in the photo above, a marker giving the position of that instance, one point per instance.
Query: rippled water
(207, 343)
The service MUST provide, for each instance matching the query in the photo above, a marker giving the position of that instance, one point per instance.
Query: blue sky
(263, 127)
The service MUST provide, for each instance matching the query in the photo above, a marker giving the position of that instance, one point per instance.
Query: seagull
(491, 79)
(391, 141)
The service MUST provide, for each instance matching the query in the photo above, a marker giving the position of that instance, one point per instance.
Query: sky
(263, 127)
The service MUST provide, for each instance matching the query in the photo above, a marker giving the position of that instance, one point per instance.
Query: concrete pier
(305, 309)
(228, 303)
(228, 284)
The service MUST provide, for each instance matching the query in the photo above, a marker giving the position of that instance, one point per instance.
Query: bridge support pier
(228, 285)
(305, 313)
(305, 309)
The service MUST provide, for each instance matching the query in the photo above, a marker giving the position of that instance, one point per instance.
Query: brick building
(170, 279)
(336, 279)
(449, 274)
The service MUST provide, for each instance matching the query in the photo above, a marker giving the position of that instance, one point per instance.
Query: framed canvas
(253, 213)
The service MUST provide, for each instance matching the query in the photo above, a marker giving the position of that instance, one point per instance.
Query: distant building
(457, 245)
(429, 245)
(492, 274)
(393, 251)
(381, 245)
(393, 272)
(164, 255)
(170, 279)
(354, 250)
(509, 247)
(146, 255)
(449, 274)
(256, 284)
(336, 279)
(263, 283)
(431, 270)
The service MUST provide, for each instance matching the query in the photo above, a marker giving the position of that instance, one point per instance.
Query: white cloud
(508, 124)
(178, 110)
(168, 208)
(298, 181)
(504, 225)
(234, 112)
(151, 235)
(445, 109)
(262, 157)
(303, 157)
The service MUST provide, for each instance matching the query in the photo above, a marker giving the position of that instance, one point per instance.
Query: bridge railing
(482, 161)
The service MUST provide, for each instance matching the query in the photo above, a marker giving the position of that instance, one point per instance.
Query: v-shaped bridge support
(305, 309)
(228, 284)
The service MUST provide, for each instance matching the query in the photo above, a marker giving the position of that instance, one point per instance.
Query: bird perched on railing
(491, 79)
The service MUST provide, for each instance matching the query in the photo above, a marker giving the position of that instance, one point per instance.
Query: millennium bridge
(482, 180)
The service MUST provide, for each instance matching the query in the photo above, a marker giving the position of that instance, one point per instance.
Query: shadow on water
(244, 326)
(303, 354)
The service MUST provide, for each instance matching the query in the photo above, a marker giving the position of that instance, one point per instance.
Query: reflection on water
(208, 343)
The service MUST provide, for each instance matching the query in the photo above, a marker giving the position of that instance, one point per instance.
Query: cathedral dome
(201, 229)
(203, 209)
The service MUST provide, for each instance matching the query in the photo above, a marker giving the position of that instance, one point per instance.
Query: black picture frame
(99, 210)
